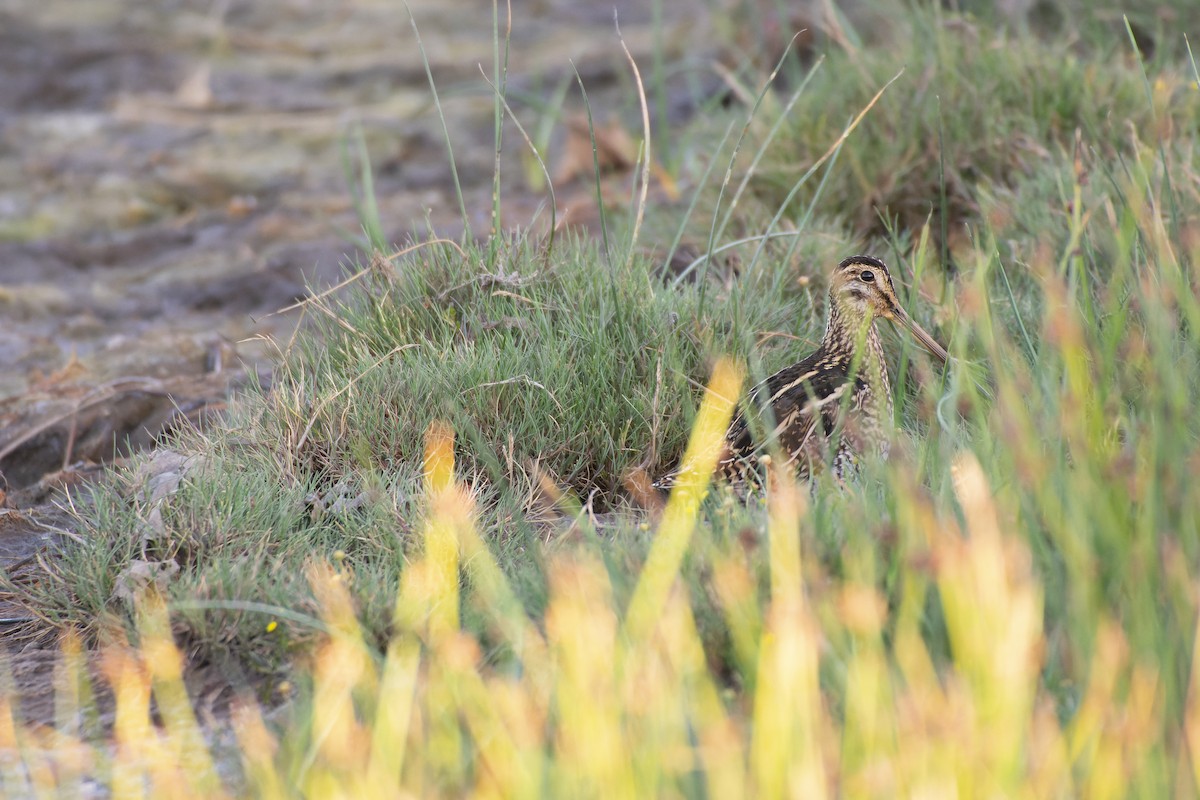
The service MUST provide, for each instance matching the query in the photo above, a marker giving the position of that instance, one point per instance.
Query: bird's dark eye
(866, 275)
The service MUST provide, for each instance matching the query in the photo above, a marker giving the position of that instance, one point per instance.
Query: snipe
(837, 401)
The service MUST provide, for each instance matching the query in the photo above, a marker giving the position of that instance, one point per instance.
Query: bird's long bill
(922, 336)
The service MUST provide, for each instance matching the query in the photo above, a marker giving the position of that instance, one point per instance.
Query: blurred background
(171, 173)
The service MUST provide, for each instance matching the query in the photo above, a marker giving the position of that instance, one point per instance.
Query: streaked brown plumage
(829, 404)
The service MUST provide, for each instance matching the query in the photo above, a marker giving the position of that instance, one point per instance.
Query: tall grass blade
(587, 107)
(679, 518)
(458, 192)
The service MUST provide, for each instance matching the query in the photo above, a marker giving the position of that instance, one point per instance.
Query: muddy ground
(172, 173)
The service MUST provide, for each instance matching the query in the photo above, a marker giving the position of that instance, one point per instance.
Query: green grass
(556, 368)
(975, 108)
(1072, 214)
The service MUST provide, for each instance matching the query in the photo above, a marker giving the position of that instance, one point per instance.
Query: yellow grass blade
(131, 730)
(258, 750)
(509, 750)
(393, 715)
(785, 752)
(12, 773)
(342, 669)
(72, 697)
(738, 598)
(679, 518)
(441, 542)
(184, 740)
(720, 751)
(592, 757)
(993, 610)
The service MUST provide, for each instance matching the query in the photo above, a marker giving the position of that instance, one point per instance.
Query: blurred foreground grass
(601, 700)
(605, 700)
(427, 514)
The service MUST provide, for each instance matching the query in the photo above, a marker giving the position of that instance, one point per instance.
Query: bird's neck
(844, 332)
(844, 336)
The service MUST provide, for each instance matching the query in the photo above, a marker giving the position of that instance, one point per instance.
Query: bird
(837, 401)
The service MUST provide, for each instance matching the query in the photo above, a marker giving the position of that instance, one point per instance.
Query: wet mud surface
(172, 173)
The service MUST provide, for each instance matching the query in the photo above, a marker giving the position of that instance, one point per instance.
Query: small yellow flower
(339, 555)
(271, 626)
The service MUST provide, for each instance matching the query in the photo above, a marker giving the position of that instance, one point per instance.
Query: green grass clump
(556, 364)
(552, 367)
(974, 106)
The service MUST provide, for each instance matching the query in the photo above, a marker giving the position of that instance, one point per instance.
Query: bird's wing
(800, 396)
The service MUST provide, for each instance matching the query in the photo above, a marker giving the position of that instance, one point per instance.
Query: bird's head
(863, 291)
